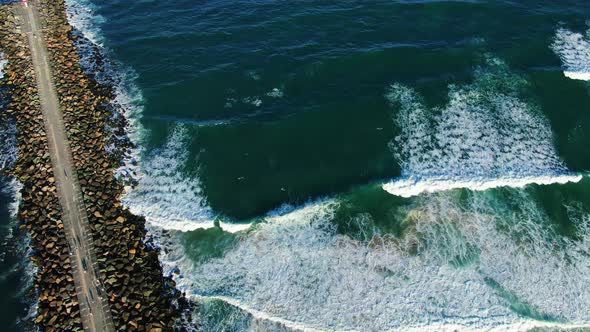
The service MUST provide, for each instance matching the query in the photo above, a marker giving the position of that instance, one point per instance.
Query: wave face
(574, 51)
(484, 137)
(484, 264)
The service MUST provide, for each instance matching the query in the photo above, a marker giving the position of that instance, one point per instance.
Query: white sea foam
(3, 63)
(8, 145)
(128, 101)
(275, 93)
(584, 76)
(20, 250)
(484, 137)
(11, 188)
(9, 152)
(19, 247)
(174, 257)
(297, 270)
(574, 51)
(8, 131)
(14, 188)
(254, 101)
(413, 186)
(82, 16)
(168, 197)
(164, 195)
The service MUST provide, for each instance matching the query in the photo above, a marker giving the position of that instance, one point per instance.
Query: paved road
(93, 302)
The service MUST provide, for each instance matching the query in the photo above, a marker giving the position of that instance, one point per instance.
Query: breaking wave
(168, 197)
(458, 266)
(484, 137)
(97, 61)
(82, 15)
(163, 194)
(573, 49)
(413, 185)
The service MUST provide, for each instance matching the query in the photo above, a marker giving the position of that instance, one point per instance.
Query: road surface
(94, 309)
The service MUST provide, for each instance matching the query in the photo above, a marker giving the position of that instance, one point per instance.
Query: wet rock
(141, 299)
(39, 210)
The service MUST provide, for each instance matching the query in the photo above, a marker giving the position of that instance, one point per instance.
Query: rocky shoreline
(140, 297)
(39, 210)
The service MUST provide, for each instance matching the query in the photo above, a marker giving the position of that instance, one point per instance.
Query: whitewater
(163, 194)
(459, 266)
(296, 271)
(574, 50)
(296, 267)
(3, 63)
(484, 137)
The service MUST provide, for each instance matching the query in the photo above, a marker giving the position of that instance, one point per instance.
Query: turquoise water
(327, 125)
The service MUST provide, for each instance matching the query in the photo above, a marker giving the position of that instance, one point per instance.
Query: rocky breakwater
(140, 297)
(39, 210)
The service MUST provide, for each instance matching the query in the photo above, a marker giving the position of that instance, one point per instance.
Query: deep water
(215, 65)
(405, 165)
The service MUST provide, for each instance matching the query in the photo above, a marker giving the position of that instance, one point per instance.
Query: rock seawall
(140, 297)
(39, 210)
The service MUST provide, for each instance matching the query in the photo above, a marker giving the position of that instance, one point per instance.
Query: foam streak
(260, 315)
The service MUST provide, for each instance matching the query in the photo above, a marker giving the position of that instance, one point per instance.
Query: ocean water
(359, 166)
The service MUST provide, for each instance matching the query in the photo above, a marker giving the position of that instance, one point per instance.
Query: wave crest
(484, 137)
(573, 49)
